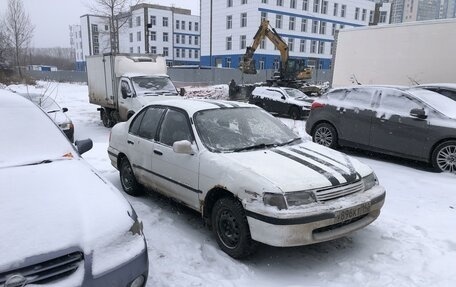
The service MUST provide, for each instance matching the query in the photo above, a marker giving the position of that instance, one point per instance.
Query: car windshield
(439, 102)
(238, 129)
(154, 86)
(45, 102)
(295, 93)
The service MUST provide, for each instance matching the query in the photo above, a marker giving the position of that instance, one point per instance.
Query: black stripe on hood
(321, 171)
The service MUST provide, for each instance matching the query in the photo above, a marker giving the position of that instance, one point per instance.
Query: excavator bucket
(248, 66)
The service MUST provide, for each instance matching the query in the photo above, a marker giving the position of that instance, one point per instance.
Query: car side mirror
(182, 92)
(418, 113)
(184, 147)
(124, 92)
(64, 110)
(83, 145)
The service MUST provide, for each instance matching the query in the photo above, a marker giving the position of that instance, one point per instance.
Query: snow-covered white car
(61, 223)
(248, 174)
(282, 101)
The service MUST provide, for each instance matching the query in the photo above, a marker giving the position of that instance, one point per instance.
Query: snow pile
(219, 92)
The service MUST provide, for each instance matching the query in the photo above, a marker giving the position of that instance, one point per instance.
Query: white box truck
(123, 83)
(399, 54)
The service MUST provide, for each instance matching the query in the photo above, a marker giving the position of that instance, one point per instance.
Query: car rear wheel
(105, 119)
(444, 157)
(231, 229)
(325, 134)
(294, 113)
(128, 179)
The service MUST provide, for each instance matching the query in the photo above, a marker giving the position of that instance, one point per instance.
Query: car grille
(44, 272)
(339, 191)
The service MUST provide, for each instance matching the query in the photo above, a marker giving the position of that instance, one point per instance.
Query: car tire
(444, 157)
(325, 134)
(231, 228)
(105, 119)
(295, 114)
(128, 180)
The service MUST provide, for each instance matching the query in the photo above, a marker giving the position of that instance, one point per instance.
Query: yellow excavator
(291, 70)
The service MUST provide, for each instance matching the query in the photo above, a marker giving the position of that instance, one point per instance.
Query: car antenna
(415, 82)
(354, 79)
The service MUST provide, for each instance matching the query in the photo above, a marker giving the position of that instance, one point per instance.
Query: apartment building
(307, 26)
(76, 45)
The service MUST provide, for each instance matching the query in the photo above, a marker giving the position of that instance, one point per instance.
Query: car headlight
(300, 198)
(275, 199)
(370, 181)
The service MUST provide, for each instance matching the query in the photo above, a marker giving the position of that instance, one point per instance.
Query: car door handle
(157, 152)
(130, 142)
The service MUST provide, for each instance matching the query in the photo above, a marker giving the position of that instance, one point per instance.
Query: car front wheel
(128, 179)
(325, 134)
(231, 229)
(444, 157)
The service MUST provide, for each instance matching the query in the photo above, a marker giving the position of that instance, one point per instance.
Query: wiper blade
(257, 146)
(289, 142)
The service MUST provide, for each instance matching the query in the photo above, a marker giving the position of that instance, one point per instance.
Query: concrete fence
(186, 76)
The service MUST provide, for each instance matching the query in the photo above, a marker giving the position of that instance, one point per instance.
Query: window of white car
(145, 124)
(174, 128)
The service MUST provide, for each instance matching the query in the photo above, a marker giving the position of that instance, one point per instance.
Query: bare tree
(18, 29)
(4, 47)
(117, 12)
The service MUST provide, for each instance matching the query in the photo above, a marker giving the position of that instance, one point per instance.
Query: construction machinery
(292, 72)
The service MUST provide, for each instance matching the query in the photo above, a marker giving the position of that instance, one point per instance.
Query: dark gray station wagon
(411, 123)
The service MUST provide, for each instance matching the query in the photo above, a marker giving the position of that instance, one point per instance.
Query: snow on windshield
(295, 93)
(441, 103)
(237, 128)
(153, 85)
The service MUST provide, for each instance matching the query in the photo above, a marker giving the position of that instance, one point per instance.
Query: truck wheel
(444, 157)
(325, 134)
(231, 228)
(105, 119)
(128, 179)
(294, 113)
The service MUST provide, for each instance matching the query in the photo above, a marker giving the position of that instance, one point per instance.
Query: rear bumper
(315, 224)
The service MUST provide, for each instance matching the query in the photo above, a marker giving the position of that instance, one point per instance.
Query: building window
(342, 10)
(177, 53)
(228, 43)
(189, 39)
(229, 22)
(138, 36)
(290, 44)
(302, 46)
(229, 3)
(138, 21)
(324, 7)
(138, 49)
(382, 17)
(228, 62)
(363, 16)
(153, 36)
(165, 21)
(94, 28)
(315, 26)
(189, 53)
(196, 40)
(153, 20)
(291, 24)
(131, 37)
(183, 39)
(177, 25)
(316, 6)
(264, 1)
(333, 29)
(243, 19)
(321, 47)
(279, 2)
(165, 51)
(183, 25)
(153, 50)
(305, 5)
(165, 36)
(276, 64)
(261, 64)
(196, 26)
(331, 48)
(313, 46)
(263, 44)
(323, 28)
(196, 54)
(278, 24)
(130, 25)
(131, 50)
(242, 42)
(106, 27)
(336, 8)
(243, 1)
(293, 4)
(371, 16)
(356, 13)
(264, 16)
(183, 53)
(177, 39)
(189, 25)
(303, 25)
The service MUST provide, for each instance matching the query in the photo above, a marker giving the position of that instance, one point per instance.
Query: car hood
(55, 206)
(300, 167)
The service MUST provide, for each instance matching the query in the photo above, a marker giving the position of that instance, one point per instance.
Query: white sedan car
(248, 174)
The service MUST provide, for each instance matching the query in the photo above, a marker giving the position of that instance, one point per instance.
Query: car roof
(451, 86)
(399, 87)
(195, 105)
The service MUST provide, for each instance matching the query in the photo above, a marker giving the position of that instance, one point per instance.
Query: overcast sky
(52, 17)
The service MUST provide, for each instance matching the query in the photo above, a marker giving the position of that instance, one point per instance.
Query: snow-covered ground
(413, 243)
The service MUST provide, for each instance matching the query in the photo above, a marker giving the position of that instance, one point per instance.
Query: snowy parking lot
(412, 243)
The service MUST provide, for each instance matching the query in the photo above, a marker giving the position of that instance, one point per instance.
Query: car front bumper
(317, 223)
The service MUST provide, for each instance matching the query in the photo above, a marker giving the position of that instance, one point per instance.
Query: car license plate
(353, 212)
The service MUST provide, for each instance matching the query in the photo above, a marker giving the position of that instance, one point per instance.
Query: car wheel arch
(312, 130)
(436, 144)
(120, 157)
(211, 198)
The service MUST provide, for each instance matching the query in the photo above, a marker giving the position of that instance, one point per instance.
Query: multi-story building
(76, 45)
(419, 10)
(307, 26)
(169, 31)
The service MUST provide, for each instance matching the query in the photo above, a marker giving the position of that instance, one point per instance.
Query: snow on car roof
(194, 105)
(438, 85)
(29, 135)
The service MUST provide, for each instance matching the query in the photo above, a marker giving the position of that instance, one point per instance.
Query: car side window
(134, 127)
(125, 86)
(397, 104)
(359, 98)
(275, 95)
(448, 94)
(336, 97)
(149, 123)
(175, 127)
